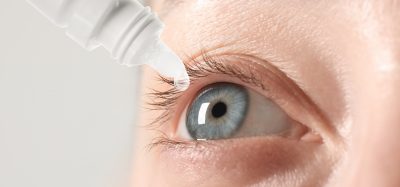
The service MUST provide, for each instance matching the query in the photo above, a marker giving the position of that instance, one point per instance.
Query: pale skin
(343, 55)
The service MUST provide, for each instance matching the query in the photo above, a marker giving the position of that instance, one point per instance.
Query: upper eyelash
(164, 101)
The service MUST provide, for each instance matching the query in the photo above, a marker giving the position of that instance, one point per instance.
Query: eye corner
(312, 137)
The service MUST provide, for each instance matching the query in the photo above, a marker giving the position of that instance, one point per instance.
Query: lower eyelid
(266, 157)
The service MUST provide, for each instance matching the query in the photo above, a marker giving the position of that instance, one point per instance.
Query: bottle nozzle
(168, 64)
(182, 82)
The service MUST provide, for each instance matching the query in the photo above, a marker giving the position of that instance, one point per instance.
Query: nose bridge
(374, 145)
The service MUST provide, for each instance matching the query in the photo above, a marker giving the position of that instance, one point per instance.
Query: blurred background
(66, 115)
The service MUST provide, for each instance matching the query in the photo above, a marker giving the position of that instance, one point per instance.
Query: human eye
(231, 99)
(228, 110)
(240, 113)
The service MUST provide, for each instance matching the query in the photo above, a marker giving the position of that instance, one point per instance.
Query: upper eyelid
(216, 65)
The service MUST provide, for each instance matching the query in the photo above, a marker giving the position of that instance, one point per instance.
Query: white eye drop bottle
(125, 28)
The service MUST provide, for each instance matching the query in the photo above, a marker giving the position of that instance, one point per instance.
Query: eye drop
(125, 28)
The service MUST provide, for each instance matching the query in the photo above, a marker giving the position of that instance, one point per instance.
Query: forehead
(382, 7)
(250, 25)
(268, 22)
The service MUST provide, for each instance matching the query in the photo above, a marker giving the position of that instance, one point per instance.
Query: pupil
(219, 109)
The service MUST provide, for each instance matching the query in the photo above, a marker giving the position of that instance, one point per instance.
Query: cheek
(253, 161)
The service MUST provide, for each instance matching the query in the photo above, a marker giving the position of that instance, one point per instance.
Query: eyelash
(165, 100)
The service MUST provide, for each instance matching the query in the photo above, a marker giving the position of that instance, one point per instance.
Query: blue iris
(217, 112)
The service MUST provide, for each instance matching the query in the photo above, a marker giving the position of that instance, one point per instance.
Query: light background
(66, 115)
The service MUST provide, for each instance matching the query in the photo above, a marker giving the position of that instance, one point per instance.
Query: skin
(344, 56)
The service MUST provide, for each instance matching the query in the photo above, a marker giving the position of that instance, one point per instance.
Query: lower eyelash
(163, 141)
(168, 143)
